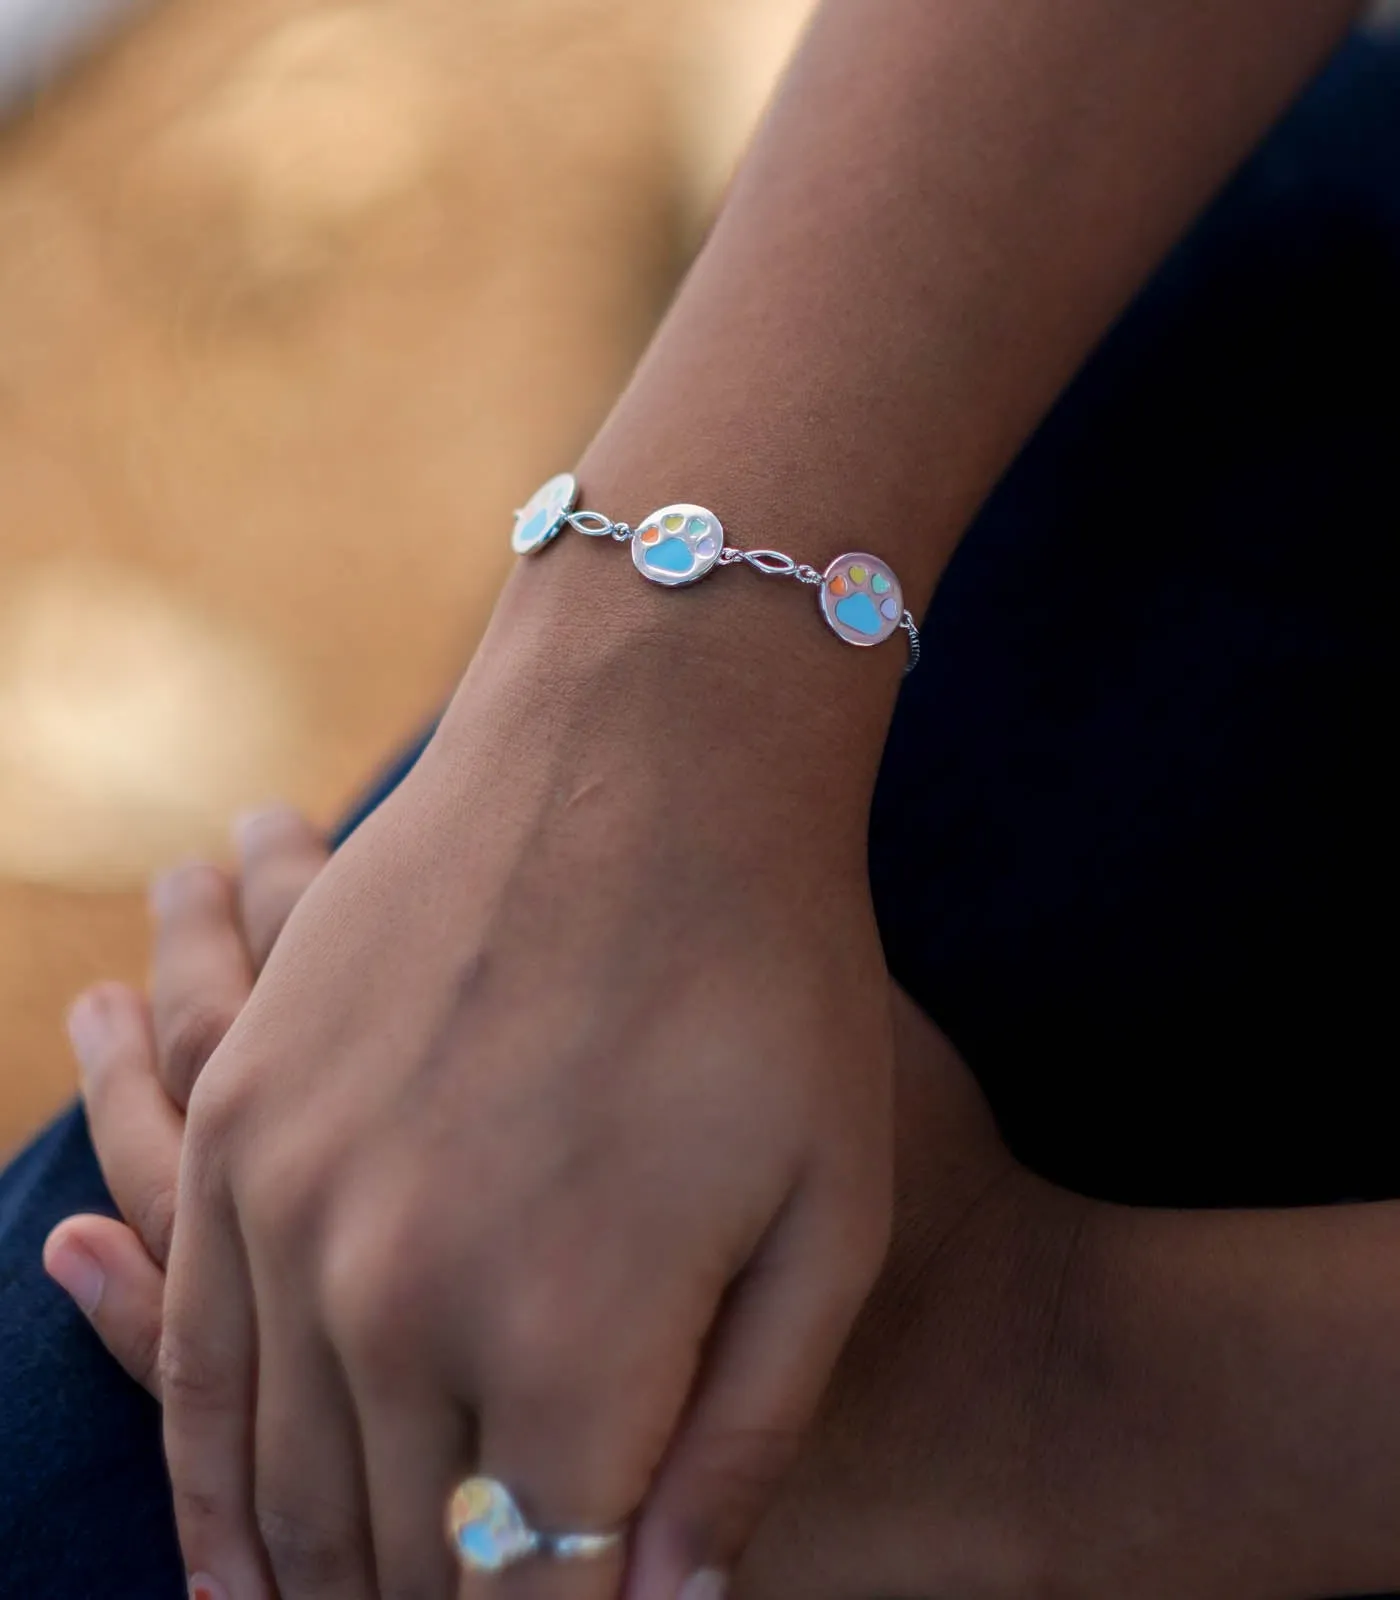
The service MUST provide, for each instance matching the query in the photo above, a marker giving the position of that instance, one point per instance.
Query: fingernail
(203, 1587)
(88, 1026)
(705, 1586)
(78, 1275)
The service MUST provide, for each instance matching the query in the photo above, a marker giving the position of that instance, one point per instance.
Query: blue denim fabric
(1126, 836)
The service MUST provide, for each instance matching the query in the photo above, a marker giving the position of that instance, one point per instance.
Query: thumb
(102, 1265)
(770, 1359)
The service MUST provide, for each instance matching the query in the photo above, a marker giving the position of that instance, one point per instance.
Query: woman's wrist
(734, 682)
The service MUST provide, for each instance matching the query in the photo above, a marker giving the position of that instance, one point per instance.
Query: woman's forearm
(946, 206)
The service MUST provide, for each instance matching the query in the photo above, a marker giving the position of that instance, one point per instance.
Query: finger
(136, 1131)
(583, 1375)
(418, 1441)
(202, 973)
(104, 1267)
(279, 853)
(769, 1360)
(208, 1366)
(561, 1435)
(312, 1511)
(416, 1450)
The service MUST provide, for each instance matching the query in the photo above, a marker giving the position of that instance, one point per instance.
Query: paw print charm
(542, 516)
(861, 599)
(677, 545)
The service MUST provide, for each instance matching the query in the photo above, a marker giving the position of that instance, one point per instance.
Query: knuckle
(222, 1105)
(375, 1296)
(284, 1192)
(355, 1316)
(191, 1379)
(308, 1553)
(537, 1334)
(194, 1032)
(190, 887)
(198, 1509)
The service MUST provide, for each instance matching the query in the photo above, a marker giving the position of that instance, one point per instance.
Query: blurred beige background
(297, 300)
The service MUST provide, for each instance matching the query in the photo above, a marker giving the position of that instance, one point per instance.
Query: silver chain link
(597, 526)
(771, 563)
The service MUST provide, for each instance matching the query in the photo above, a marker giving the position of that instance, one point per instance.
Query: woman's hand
(554, 1142)
(854, 1519)
(1043, 1392)
(135, 1077)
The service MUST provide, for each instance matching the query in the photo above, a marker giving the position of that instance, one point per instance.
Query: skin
(556, 1136)
(1043, 1396)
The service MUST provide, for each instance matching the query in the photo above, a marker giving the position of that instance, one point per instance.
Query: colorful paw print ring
(860, 597)
(489, 1532)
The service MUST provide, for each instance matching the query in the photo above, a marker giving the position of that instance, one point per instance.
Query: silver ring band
(577, 1546)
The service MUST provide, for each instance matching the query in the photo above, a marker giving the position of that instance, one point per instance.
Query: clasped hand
(553, 1143)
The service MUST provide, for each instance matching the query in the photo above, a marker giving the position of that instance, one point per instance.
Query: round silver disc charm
(543, 514)
(861, 598)
(677, 545)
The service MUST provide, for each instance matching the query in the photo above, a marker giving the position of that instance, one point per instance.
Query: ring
(489, 1531)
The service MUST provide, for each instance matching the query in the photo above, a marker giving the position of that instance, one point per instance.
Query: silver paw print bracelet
(859, 595)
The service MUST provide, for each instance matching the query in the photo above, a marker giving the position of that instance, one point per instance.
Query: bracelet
(860, 597)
